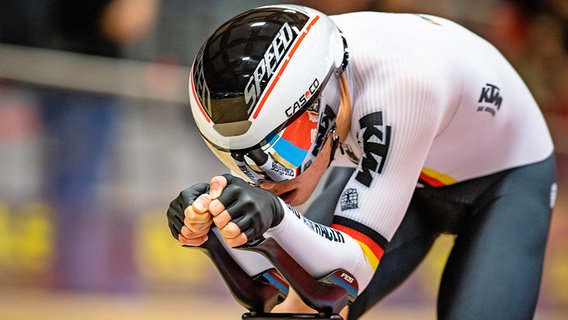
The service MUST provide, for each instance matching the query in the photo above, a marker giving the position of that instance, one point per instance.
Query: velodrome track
(23, 304)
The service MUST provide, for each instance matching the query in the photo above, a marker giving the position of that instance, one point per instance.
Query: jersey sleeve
(321, 249)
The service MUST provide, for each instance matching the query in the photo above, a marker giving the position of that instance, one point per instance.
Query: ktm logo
(376, 144)
(490, 99)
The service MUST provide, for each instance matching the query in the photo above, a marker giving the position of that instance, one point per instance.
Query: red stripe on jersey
(431, 181)
(359, 236)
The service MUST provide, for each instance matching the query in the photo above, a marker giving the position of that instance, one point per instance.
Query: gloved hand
(253, 209)
(199, 219)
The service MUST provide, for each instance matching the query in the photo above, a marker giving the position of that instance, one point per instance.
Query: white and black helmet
(264, 89)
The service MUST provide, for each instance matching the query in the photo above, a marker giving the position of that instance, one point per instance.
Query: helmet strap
(343, 121)
(334, 144)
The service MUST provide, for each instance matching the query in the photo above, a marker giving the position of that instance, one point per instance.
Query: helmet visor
(282, 155)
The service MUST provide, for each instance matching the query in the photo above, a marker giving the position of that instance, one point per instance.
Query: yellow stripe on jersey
(372, 251)
(435, 178)
(371, 257)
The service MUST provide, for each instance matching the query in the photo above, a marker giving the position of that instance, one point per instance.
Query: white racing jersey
(432, 102)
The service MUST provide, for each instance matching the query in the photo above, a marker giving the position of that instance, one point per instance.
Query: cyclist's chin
(299, 198)
(293, 192)
(300, 195)
(289, 197)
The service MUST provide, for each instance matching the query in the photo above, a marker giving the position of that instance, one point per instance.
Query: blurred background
(96, 138)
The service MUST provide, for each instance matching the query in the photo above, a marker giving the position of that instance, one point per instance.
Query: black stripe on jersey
(374, 235)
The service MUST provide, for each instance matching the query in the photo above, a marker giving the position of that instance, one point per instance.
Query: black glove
(177, 206)
(253, 209)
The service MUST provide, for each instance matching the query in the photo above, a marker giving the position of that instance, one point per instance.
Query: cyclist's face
(299, 189)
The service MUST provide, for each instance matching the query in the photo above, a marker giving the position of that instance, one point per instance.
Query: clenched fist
(241, 211)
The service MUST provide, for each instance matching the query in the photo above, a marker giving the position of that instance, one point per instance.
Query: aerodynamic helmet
(264, 90)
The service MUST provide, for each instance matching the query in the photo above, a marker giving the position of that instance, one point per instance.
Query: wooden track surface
(19, 304)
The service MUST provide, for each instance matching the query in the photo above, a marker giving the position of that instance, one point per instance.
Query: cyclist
(425, 128)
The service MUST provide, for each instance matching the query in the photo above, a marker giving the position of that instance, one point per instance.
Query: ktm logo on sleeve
(490, 99)
(376, 144)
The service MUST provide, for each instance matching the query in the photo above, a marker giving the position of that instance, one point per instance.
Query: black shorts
(501, 223)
